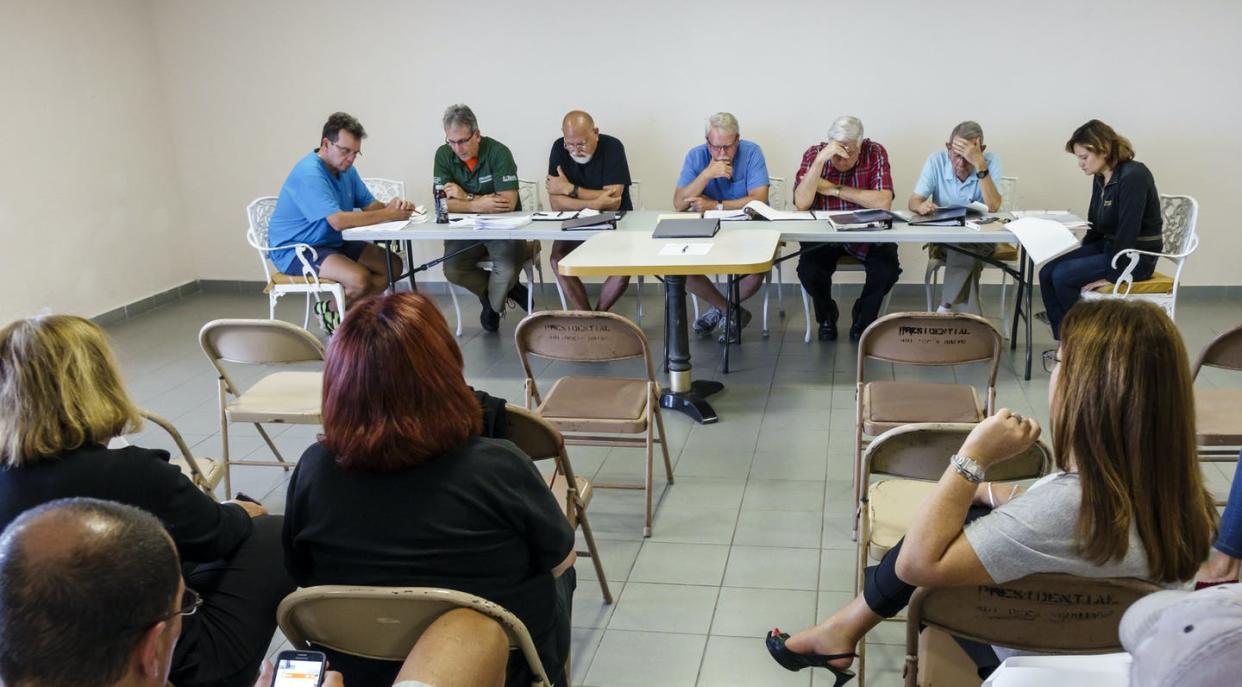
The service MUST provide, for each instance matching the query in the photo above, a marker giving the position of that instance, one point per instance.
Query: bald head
(80, 580)
(577, 121)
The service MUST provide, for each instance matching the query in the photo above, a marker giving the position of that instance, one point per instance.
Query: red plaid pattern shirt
(870, 173)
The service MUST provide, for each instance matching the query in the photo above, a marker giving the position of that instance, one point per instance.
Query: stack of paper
(1043, 239)
(1063, 217)
(505, 221)
(561, 216)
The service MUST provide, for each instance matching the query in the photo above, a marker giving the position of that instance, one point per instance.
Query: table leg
(1030, 288)
(392, 285)
(683, 394)
(409, 255)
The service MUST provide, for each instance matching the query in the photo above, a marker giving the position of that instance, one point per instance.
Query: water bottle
(441, 204)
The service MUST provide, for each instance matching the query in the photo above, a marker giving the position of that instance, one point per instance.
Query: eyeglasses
(190, 603)
(721, 149)
(347, 152)
(1052, 358)
(459, 142)
(576, 146)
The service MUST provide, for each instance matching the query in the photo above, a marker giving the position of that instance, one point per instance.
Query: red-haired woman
(402, 491)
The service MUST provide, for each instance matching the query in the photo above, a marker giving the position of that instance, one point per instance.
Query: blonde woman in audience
(61, 401)
(1128, 499)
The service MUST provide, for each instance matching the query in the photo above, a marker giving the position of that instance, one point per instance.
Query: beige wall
(90, 211)
(246, 86)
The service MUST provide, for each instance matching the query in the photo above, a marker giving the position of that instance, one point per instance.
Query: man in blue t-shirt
(960, 174)
(321, 198)
(725, 173)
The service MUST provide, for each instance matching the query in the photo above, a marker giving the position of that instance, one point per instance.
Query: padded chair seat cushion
(1218, 416)
(560, 489)
(890, 404)
(597, 404)
(1157, 284)
(280, 278)
(1005, 252)
(892, 506)
(280, 397)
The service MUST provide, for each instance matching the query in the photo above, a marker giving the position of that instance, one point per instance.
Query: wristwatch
(967, 467)
(836, 191)
(719, 206)
(574, 192)
(982, 173)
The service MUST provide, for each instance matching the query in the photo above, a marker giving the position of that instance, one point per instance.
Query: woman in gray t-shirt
(1128, 500)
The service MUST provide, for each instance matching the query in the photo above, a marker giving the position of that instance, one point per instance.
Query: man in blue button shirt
(318, 201)
(960, 174)
(725, 173)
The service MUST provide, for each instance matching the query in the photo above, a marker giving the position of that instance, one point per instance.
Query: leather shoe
(856, 331)
(489, 319)
(518, 294)
(827, 331)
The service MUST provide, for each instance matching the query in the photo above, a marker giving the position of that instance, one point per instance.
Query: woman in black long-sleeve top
(1124, 213)
(402, 490)
(61, 401)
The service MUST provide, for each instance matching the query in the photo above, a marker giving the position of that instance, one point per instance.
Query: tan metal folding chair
(281, 397)
(205, 472)
(1218, 412)
(384, 622)
(589, 409)
(920, 339)
(1049, 613)
(912, 458)
(540, 440)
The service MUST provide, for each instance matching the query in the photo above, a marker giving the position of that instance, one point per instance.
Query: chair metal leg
(272, 445)
(780, 291)
(695, 300)
(767, 290)
(530, 291)
(561, 294)
(929, 283)
(663, 439)
(650, 486)
(224, 442)
(806, 313)
(585, 524)
(638, 294)
(456, 307)
(305, 316)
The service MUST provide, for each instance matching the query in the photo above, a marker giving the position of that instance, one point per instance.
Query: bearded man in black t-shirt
(587, 169)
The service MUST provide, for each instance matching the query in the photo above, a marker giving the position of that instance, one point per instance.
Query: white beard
(581, 159)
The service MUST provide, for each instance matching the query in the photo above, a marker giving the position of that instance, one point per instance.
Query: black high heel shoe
(793, 661)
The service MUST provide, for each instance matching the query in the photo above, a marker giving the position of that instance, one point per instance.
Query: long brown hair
(59, 389)
(1101, 139)
(1124, 411)
(393, 390)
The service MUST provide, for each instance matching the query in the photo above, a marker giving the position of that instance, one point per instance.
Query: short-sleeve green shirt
(496, 170)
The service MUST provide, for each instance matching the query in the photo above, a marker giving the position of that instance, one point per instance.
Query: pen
(683, 248)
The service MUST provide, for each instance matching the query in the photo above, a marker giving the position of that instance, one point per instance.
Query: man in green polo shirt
(479, 175)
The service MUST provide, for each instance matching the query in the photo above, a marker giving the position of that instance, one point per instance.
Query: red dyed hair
(394, 394)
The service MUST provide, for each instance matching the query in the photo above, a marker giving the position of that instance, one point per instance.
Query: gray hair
(723, 122)
(846, 129)
(460, 115)
(971, 131)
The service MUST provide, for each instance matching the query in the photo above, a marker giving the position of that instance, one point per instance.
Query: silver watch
(967, 467)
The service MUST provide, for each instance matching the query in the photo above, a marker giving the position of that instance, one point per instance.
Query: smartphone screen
(298, 669)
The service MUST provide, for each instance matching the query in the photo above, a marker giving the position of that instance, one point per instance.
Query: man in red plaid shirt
(846, 173)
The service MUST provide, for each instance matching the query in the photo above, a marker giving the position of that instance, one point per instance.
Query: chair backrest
(921, 451)
(528, 194)
(1048, 613)
(1181, 216)
(580, 336)
(1008, 187)
(258, 217)
(256, 342)
(1225, 351)
(777, 197)
(541, 440)
(636, 194)
(385, 622)
(197, 474)
(925, 338)
(384, 190)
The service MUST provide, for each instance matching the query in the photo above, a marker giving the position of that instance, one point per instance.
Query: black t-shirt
(203, 530)
(607, 167)
(479, 519)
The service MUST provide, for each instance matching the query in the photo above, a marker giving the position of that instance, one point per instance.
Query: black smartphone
(299, 669)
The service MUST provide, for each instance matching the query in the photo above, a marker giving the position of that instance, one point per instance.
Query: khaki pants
(463, 270)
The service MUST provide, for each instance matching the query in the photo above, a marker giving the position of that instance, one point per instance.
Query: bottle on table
(441, 204)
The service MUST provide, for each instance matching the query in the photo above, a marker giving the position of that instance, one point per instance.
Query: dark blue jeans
(1062, 279)
(1229, 541)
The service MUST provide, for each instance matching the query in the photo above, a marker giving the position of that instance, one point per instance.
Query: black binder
(686, 229)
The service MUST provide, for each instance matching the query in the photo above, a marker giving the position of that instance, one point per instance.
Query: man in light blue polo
(960, 174)
(725, 173)
(320, 199)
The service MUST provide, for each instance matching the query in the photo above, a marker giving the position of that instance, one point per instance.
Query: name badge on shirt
(1108, 203)
(485, 179)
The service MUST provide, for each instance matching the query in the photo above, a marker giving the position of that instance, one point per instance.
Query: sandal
(793, 661)
(328, 318)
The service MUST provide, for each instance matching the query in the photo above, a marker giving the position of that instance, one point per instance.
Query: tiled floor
(754, 534)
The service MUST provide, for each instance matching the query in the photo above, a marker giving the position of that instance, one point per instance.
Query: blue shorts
(351, 249)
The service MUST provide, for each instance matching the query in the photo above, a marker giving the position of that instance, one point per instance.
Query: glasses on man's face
(190, 603)
(580, 147)
(723, 148)
(459, 142)
(1052, 358)
(345, 150)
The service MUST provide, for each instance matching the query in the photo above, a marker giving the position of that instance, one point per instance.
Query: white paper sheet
(1043, 239)
(726, 215)
(548, 215)
(686, 249)
(1064, 217)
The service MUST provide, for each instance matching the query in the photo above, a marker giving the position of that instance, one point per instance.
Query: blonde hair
(59, 389)
(1124, 411)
